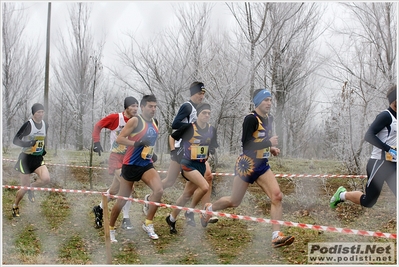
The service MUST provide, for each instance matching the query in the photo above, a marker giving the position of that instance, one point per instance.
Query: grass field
(59, 227)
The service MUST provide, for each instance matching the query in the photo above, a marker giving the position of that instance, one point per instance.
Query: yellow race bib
(263, 153)
(147, 152)
(199, 152)
(38, 147)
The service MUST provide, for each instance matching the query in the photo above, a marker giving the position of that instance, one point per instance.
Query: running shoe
(336, 198)
(126, 224)
(172, 225)
(15, 212)
(204, 216)
(146, 206)
(282, 240)
(213, 219)
(149, 229)
(31, 196)
(112, 236)
(98, 214)
(190, 218)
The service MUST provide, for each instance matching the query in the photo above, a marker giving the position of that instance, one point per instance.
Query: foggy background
(328, 66)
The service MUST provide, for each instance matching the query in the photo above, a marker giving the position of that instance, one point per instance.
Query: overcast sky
(112, 19)
(146, 19)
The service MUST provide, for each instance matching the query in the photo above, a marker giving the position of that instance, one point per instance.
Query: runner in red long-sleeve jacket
(114, 122)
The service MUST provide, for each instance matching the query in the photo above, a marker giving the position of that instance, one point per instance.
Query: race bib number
(199, 152)
(38, 147)
(147, 152)
(263, 153)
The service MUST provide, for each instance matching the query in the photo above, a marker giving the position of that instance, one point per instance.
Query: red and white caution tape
(231, 174)
(227, 215)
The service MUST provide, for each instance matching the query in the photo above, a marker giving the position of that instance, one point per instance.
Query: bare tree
(75, 72)
(280, 38)
(365, 75)
(22, 70)
(169, 63)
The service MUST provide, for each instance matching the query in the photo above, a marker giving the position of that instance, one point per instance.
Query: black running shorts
(133, 173)
(27, 163)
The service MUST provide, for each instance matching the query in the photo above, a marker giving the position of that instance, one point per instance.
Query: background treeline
(328, 66)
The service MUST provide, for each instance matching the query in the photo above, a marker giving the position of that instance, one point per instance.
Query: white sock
(126, 209)
(108, 198)
(342, 196)
(171, 218)
(275, 234)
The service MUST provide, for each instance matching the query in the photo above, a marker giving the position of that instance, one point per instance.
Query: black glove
(98, 148)
(154, 158)
(44, 152)
(142, 142)
(30, 143)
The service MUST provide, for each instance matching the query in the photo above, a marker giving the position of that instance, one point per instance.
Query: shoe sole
(204, 223)
(334, 204)
(287, 242)
(213, 220)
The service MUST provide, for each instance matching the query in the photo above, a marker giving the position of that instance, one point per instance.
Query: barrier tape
(221, 214)
(230, 174)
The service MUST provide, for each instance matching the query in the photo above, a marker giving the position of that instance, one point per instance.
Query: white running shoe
(112, 236)
(149, 229)
(146, 206)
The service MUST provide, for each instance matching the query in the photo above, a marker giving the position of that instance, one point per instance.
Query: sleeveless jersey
(115, 147)
(262, 132)
(387, 136)
(141, 156)
(190, 119)
(198, 146)
(35, 134)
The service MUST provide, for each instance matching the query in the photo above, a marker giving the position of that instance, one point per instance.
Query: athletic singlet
(197, 147)
(262, 132)
(115, 147)
(191, 118)
(35, 134)
(141, 156)
(388, 136)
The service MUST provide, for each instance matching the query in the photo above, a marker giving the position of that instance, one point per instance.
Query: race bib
(263, 153)
(38, 147)
(147, 152)
(199, 152)
(390, 157)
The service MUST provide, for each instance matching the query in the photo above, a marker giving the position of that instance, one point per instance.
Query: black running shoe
(190, 218)
(172, 225)
(98, 213)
